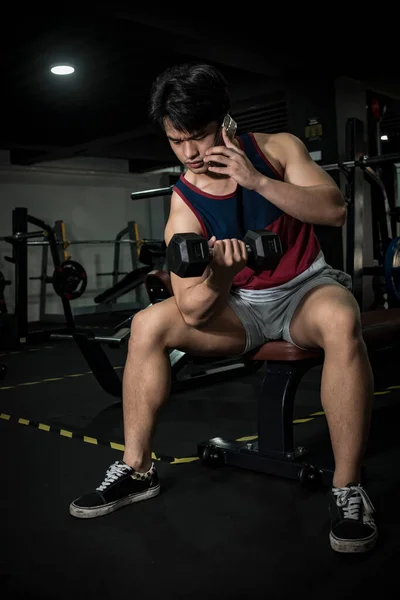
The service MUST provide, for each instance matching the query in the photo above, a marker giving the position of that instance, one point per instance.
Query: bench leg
(276, 408)
(273, 451)
(99, 363)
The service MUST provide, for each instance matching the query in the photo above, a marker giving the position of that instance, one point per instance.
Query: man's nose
(190, 150)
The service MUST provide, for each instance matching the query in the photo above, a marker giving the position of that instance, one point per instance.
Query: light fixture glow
(384, 138)
(62, 70)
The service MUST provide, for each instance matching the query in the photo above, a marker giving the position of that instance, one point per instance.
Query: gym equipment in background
(68, 278)
(392, 270)
(17, 328)
(4, 320)
(152, 255)
(3, 284)
(357, 170)
(132, 240)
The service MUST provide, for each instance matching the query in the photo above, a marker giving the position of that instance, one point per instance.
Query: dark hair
(191, 95)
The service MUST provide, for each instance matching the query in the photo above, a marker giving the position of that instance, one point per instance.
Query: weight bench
(273, 451)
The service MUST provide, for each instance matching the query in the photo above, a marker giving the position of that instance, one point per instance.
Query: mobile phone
(230, 126)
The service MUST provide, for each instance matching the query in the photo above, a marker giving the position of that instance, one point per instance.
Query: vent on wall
(390, 123)
(268, 117)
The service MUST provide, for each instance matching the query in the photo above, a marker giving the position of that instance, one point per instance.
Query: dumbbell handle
(248, 248)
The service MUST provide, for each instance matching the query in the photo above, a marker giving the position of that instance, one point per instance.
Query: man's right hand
(229, 257)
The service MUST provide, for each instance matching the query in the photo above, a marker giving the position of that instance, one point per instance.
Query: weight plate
(69, 280)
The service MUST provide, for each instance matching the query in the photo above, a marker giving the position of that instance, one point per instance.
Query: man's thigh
(223, 335)
(328, 309)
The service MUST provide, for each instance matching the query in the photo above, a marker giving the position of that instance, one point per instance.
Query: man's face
(190, 147)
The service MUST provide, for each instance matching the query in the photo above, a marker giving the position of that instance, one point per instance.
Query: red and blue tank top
(231, 215)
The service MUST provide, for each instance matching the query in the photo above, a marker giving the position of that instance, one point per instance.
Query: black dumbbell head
(265, 249)
(188, 254)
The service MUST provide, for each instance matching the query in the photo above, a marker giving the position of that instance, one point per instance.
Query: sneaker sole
(99, 511)
(352, 546)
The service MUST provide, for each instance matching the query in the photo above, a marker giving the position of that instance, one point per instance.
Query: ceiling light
(384, 138)
(62, 70)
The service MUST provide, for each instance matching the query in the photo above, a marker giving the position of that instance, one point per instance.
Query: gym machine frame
(355, 170)
(18, 322)
(133, 240)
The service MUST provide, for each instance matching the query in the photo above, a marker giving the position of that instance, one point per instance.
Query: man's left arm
(307, 192)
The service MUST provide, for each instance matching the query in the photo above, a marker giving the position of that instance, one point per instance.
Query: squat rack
(17, 324)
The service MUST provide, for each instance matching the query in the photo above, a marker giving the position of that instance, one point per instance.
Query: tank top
(232, 215)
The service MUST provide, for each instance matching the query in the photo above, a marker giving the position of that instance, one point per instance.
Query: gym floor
(212, 533)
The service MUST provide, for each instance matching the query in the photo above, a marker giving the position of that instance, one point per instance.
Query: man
(255, 181)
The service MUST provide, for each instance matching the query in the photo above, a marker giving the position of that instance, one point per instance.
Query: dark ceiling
(101, 110)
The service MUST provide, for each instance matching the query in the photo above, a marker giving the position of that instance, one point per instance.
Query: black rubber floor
(212, 533)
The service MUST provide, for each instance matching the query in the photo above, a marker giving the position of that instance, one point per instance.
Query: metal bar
(358, 196)
(363, 161)
(117, 254)
(99, 363)
(383, 158)
(113, 340)
(59, 229)
(73, 242)
(43, 284)
(19, 236)
(20, 254)
(133, 231)
(337, 166)
(56, 261)
(152, 193)
(133, 242)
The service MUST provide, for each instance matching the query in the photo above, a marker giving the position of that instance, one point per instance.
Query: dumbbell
(188, 254)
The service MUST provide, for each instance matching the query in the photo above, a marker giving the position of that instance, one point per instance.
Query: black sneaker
(122, 485)
(353, 527)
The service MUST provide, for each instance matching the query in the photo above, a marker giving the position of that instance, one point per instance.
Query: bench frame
(273, 452)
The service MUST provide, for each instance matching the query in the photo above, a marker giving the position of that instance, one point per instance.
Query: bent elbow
(190, 320)
(194, 322)
(190, 317)
(340, 216)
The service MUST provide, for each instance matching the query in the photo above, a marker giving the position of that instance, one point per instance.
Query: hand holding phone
(232, 160)
(230, 127)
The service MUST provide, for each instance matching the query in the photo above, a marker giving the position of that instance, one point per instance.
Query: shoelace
(351, 498)
(113, 473)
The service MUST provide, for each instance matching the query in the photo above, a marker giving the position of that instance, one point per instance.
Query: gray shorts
(266, 314)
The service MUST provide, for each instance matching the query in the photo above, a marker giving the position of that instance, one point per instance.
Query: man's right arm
(199, 299)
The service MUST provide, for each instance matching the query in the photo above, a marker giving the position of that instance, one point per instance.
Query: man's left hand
(234, 163)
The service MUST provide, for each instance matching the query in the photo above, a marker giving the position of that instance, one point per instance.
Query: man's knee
(329, 315)
(151, 325)
(340, 322)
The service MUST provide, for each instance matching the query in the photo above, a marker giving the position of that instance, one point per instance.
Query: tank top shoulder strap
(249, 145)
